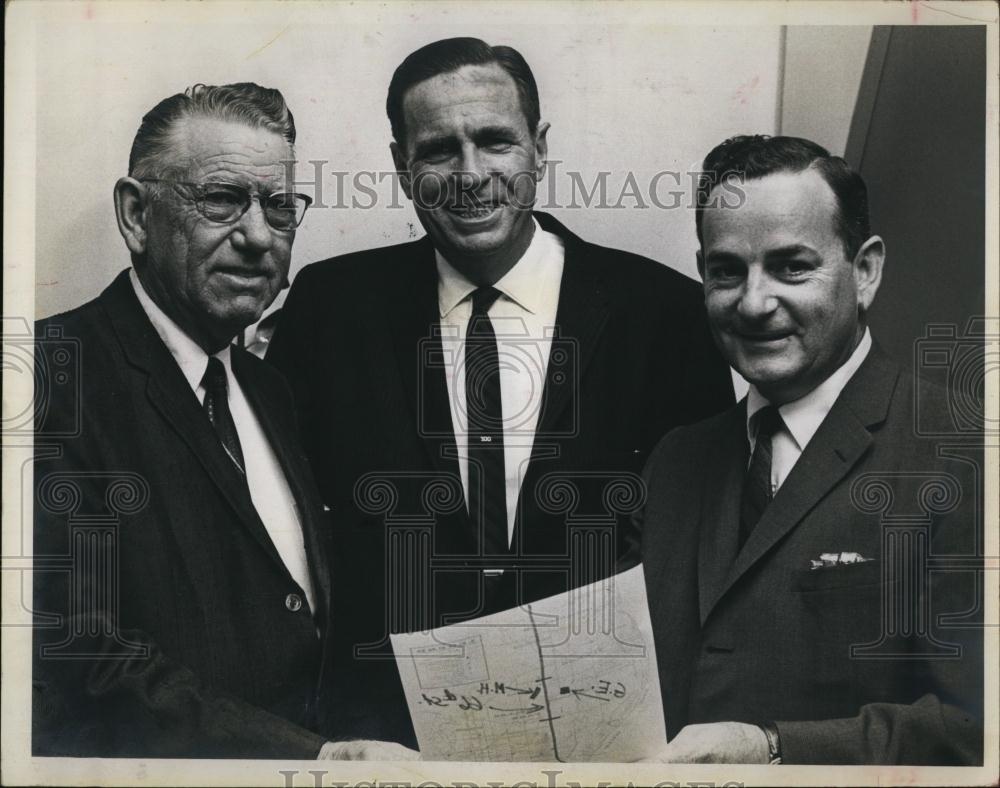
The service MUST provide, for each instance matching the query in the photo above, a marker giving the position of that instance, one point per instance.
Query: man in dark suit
(810, 559)
(182, 583)
(478, 404)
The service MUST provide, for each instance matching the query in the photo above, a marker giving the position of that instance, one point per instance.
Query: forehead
(206, 148)
(470, 95)
(781, 209)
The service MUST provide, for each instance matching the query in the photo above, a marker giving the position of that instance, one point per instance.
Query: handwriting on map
(569, 678)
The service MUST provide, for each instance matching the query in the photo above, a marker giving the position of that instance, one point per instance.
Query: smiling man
(787, 543)
(182, 581)
(478, 403)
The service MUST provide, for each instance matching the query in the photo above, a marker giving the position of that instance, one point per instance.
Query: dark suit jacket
(759, 636)
(633, 358)
(168, 625)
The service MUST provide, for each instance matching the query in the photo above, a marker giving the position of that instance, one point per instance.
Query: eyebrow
(490, 132)
(722, 256)
(781, 253)
(432, 143)
(447, 141)
(793, 250)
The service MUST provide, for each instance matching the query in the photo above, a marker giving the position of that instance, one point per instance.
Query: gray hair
(243, 102)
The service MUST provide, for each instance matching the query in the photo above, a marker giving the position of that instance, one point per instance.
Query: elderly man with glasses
(182, 589)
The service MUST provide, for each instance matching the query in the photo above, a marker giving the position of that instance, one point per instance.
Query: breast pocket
(865, 573)
(842, 606)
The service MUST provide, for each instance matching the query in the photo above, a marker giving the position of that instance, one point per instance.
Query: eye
(285, 210)
(793, 269)
(435, 154)
(498, 146)
(725, 271)
(218, 196)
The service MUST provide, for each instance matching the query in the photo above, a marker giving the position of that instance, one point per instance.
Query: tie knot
(483, 298)
(768, 421)
(214, 378)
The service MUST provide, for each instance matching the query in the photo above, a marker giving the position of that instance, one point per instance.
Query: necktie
(757, 482)
(484, 412)
(216, 407)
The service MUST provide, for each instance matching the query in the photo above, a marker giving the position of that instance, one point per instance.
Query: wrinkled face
(215, 279)
(470, 162)
(782, 297)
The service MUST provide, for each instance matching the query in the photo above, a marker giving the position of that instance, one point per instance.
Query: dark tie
(217, 409)
(484, 412)
(757, 483)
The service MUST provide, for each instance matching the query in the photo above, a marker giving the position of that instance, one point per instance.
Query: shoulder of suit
(367, 263)
(690, 440)
(77, 317)
(640, 276)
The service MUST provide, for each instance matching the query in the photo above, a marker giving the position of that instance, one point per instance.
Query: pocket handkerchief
(837, 559)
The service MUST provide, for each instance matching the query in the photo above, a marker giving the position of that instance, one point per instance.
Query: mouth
(474, 213)
(243, 277)
(762, 338)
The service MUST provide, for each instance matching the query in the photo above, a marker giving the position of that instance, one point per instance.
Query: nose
(472, 168)
(253, 233)
(757, 300)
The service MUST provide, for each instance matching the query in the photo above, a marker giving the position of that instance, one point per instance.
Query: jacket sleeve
(925, 732)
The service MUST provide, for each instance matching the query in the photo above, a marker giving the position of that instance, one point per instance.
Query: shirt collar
(803, 416)
(186, 352)
(520, 284)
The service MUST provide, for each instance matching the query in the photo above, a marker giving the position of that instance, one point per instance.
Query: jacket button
(293, 602)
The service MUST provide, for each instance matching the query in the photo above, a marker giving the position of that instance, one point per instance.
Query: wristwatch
(773, 743)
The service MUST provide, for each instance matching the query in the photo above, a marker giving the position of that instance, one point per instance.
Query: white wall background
(624, 92)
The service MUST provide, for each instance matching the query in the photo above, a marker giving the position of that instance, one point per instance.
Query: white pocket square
(837, 559)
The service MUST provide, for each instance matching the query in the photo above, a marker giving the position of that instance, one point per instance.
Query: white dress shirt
(803, 416)
(523, 318)
(269, 490)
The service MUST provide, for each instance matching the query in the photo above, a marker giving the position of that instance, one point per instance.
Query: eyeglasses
(225, 203)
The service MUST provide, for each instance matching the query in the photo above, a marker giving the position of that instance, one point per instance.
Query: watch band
(773, 743)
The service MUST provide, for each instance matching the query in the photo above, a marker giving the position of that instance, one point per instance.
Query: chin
(471, 245)
(765, 379)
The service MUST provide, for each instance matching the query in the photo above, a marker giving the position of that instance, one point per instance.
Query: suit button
(293, 602)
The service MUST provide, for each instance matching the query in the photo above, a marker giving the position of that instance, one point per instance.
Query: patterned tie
(757, 482)
(217, 409)
(484, 411)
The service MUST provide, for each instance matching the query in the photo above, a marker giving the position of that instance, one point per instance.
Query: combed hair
(756, 156)
(243, 102)
(451, 54)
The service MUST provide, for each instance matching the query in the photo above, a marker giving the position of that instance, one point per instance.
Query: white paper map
(568, 678)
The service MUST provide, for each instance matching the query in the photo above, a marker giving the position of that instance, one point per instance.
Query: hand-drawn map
(569, 678)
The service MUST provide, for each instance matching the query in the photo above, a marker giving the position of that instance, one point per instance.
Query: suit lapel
(720, 508)
(839, 443)
(169, 393)
(580, 317)
(279, 428)
(415, 327)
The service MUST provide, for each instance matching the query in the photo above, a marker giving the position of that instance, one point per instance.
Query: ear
(131, 200)
(700, 262)
(541, 149)
(402, 168)
(868, 264)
